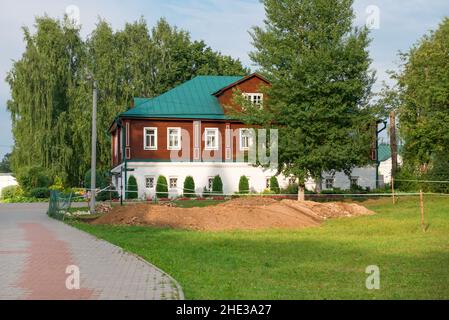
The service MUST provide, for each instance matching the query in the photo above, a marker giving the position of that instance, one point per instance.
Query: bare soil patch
(238, 214)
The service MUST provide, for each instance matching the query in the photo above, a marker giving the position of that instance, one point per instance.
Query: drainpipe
(377, 149)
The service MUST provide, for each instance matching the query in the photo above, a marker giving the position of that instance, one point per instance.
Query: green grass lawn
(328, 262)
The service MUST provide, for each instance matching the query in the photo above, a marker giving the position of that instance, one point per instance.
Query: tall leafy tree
(318, 65)
(422, 96)
(5, 164)
(52, 91)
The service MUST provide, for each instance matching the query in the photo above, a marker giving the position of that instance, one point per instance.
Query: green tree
(217, 185)
(189, 187)
(5, 164)
(133, 191)
(422, 99)
(161, 187)
(52, 93)
(243, 185)
(274, 185)
(318, 65)
(33, 177)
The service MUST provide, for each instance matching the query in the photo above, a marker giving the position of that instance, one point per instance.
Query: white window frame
(267, 182)
(154, 182)
(145, 147)
(216, 135)
(210, 183)
(242, 148)
(326, 183)
(354, 178)
(255, 98)
(170, 185)
(179, 138)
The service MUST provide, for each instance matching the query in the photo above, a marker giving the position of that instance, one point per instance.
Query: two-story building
(187, 132)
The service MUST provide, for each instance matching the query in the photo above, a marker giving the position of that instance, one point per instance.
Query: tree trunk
(318, 185)
(301, 193)
(393, 145)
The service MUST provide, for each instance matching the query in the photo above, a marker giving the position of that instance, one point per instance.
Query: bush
(406, 173)
(101, 181)
(291, 189)
(189, 187)
(243, 185)
(10, 192)
(274, 185)
(161, 187)
(217, 185)
(40, 193)
(33, 177)
(206, 192)
(439, 172)
(107, 195)
(133, 192)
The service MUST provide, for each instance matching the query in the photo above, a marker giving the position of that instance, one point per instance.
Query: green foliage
(404, 179)
(101, 180)
(274, 184)
(217, 185)
(11, 192)
(189, 187)
(243, 185)
(319, 68)
(40, 193)
(290, 189)
(439, 172)
(422, 98)
(33, 177)
(51, 92)
(161, 187)
(132, 192)
(5, 164)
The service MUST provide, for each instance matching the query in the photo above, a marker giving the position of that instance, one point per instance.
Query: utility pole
(93, 174)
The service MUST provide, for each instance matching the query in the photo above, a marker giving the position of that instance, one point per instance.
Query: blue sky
(223, 24)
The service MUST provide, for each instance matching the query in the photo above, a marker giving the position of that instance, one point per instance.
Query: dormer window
(255, 98)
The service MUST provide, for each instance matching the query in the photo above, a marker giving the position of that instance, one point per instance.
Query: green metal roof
(192, 99)
(385, 151)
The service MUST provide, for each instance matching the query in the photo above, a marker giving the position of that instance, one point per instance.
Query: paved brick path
(35, 252)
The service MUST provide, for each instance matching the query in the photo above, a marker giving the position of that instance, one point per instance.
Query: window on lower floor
(149, 182)
(329, 182)
(210, 182)
(354, 182)
(173, 183)
(267, 182)
(291, 181)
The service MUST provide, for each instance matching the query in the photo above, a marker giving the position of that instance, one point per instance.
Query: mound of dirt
(238, 214)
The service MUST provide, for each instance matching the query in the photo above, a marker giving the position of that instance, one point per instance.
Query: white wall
(6, 180)
(230, 174)
(385, 169)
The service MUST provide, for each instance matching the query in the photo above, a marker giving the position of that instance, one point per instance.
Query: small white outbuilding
(6, 180)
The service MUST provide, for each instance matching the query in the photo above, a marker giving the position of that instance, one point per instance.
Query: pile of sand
(237, 214)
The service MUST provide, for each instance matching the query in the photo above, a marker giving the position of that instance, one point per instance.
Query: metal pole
(93, 174)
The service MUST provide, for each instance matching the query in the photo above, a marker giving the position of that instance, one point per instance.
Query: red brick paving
(44, 276)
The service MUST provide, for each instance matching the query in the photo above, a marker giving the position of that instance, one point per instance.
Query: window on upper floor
(245, 139)
(174, 138)
(254, 98)
(211, 138)
(116, 144)
(150, 138)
